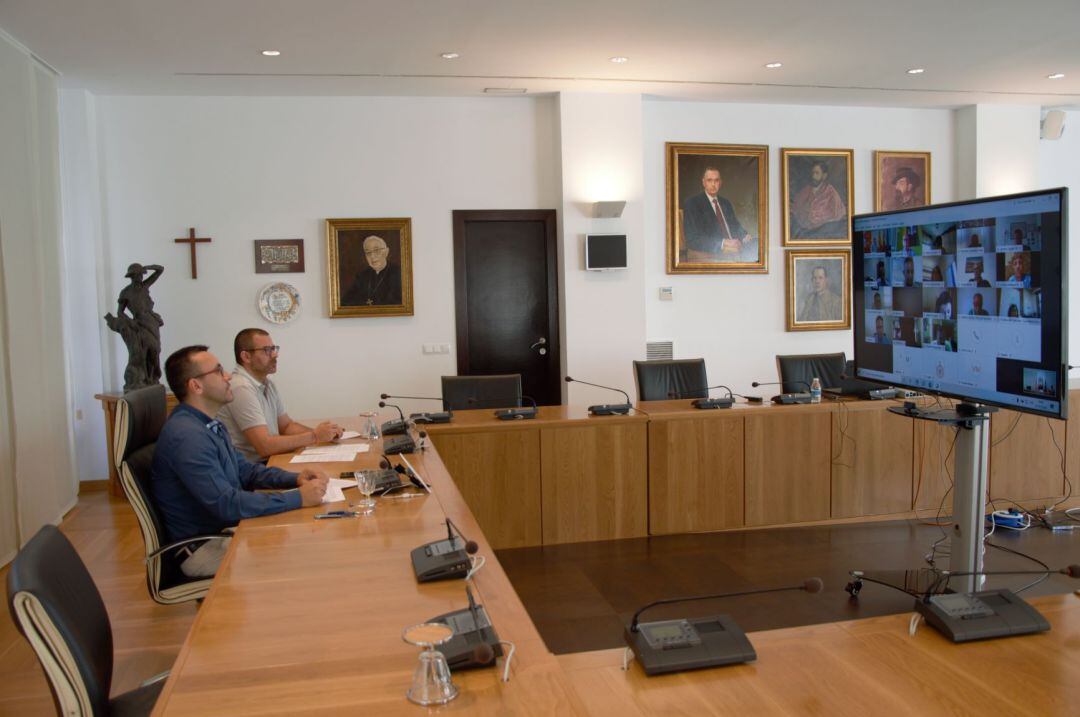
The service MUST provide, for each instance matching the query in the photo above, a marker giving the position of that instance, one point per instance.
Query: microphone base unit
(470, 629)
(881, 394)
(515, 414)
(966, 617)
(398, 444)
(441, 560)
(395, 427)
(787, 399)
(429, 417)
(678, 645)
(711, 403)
(610, 409)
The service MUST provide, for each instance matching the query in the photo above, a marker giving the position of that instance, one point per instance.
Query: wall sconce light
(608, 210)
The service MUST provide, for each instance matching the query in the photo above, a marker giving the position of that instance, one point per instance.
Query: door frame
(548, 217)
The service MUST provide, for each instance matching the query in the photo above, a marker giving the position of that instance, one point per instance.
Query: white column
(997, 149)
(603, 312)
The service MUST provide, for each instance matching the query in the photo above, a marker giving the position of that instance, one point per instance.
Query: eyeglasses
(268, 350)
(217, 369)
(377, 250)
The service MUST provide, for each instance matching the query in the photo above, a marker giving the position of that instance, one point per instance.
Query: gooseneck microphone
(810, 585)
(519, 413)
(394, 428)
(470, 545)
(426, 416)
(786, 398)
(606, 409)
(707, 402)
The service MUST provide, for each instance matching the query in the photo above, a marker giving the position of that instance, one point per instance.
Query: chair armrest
(179, 543)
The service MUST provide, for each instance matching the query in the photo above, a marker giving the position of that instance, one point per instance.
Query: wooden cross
(192, 240)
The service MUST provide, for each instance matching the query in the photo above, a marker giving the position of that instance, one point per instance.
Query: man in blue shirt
(200, 484)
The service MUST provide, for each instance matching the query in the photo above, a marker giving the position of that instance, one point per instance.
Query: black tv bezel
(859, 329)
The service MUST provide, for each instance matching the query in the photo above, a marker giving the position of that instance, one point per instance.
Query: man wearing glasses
(378, 283)
(200, 484)
(256, 417)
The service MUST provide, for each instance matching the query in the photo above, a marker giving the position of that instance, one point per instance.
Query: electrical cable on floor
(1064, 473)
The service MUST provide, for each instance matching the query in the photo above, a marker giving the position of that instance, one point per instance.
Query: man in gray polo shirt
(256, 418)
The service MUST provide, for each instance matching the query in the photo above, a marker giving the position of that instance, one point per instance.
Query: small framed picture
(279, 256)
(717, 208)
(817, 196)
(901, 180)
(818, 290)
(369, 267)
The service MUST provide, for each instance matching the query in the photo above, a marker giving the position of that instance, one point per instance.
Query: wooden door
(506, 294)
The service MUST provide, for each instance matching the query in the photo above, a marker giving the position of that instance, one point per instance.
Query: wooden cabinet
(1026, 457)
(871, 460)
(788, 466)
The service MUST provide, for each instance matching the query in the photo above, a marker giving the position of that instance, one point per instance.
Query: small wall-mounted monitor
(605, 252)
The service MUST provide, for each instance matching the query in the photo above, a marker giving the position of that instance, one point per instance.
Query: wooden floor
(146, 636)
(580, 596)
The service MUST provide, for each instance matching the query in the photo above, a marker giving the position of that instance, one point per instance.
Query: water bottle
(815, 390)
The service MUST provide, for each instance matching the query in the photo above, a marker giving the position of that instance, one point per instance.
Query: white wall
(1059, 166)
(736, 322)
(37, 481)
(240, 169)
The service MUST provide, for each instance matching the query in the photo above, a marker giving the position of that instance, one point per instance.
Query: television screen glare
(966, 300)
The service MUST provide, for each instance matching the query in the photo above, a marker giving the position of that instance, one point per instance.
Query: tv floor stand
(972, 452)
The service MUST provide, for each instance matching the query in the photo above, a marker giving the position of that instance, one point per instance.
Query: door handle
(541, 342)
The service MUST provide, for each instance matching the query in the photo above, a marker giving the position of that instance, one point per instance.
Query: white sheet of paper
(348, 435)
(336, 449)
(333, 494)
(344, 454)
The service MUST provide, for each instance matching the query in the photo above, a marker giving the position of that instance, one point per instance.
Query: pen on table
(337, 514)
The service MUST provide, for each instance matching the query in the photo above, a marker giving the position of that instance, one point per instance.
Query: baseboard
(93, 486)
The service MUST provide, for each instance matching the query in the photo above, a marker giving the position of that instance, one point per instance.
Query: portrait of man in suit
(717, 208)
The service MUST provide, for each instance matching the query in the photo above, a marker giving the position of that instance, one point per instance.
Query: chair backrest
(796, 370)
(57, 607)
(139, 417)
(664, 379)
(461, 393)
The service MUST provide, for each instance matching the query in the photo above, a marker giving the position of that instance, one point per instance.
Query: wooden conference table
(305, 617)
(668, 468)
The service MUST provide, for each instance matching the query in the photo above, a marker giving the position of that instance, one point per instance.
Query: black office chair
(461, 393)
(58, 609)
(140, 415)
(796, 372)
(666, 379)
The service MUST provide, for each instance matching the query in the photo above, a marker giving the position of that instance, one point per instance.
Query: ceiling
(845, 52)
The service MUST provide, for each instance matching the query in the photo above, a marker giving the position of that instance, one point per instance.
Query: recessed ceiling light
(773, 65)
(271, 53)
(450, 55)
(916, 71)
(620, 60)
(1056, 76)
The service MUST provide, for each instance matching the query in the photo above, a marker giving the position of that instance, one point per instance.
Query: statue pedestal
(108, 404)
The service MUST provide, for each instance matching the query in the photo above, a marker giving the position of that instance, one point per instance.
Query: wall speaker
(1053, 125)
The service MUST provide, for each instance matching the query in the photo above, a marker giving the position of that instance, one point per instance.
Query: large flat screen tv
(966, 300)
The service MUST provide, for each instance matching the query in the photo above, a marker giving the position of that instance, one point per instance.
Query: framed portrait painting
(901, 180)
(818, 290)
(369, 267)
(817, 196)
(717, 208)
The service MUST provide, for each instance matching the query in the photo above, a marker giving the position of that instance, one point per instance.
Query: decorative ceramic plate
(279, 302)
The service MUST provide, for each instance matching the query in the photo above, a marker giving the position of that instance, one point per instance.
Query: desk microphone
(394, 428)
(786, 398)
(426, 416)
(510, 414)
(708, 403)
(470, 545)
(606, 409)
(810, 585)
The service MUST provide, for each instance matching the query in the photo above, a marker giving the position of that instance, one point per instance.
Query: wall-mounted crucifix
(192, 240)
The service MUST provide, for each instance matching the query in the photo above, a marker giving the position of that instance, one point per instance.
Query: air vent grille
(660, 349)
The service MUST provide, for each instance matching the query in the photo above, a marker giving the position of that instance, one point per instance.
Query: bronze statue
(141, 329)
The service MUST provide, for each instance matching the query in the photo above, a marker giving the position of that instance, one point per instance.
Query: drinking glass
(365, 483)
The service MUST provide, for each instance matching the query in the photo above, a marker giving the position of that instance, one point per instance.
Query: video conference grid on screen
(963, 299)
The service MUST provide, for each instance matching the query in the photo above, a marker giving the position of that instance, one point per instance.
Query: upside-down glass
(431, 684)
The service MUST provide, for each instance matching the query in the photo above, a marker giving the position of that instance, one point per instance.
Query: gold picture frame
(809, 305)
(355, 249)
(890, 167)
(816, 214)
(731, 235)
